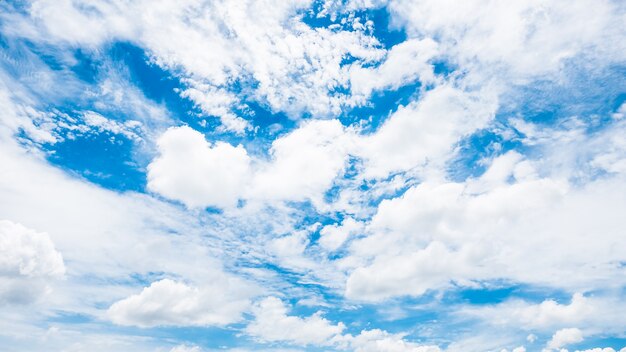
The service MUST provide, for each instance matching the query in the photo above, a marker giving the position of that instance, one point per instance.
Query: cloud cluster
(272, 323)
(28, 263)
(167, 302)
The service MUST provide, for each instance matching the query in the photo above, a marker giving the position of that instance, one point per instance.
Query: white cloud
(425, 131)
(185, 348)
(515, 40)
(593, 314)
(405, 63)
(170, 303)
(271, 323)
(333, 236)
(565, 337)
(303, 163)
(381, 341)
(197, 173)
(28, 261)
(410, 274)
(488, 228)
(215, 45)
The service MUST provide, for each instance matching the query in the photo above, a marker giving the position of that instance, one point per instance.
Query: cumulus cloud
(425, 131)
(405, 63)
(271, 323)
(518, 40)
(28, 261)
(199, 174)
(185, 348)
(593, 314)
(381, 341)
(171, 303)
(565, 337)
(333, 236)
(303, 163)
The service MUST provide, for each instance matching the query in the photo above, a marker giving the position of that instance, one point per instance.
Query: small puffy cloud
(594, 314)
(271, 323)
(381, 341)
(425, 131)
(565, 337)
(303, 163)
(333, 236)
(171, 303)
(28, 261)
(193, 171)
(185, 348)
(405, 63)
(410, 274)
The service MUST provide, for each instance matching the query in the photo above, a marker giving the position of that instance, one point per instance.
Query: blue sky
(330, 175)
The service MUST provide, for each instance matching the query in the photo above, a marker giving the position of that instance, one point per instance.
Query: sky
(313, 175)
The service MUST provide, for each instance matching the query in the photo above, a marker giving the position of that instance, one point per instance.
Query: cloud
(302, 166)
(197, 173)
(171, 303)
(381, 341)
(28, 263)
(594, 314)
(333, 236)
(440, 233)
(425, 131)
(185, 348)
(519, 40)
(565, 337)
(405, 63)
(217, 47)
(303, 163)
(271, 323)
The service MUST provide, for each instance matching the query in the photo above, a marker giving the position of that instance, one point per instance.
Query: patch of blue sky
(159, 85)
(476, 150)
(104, 159)
(591, 97)
(380, 106)
(206, 337)
(383, 31)
(497, 291)
(614, 342)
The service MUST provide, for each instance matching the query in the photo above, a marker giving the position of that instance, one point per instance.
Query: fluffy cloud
(405, 63)
(437, 233)
(216, 46)
(565, 337)
(272, 323)
(167, 302)
(333, 236)
(303, 163)
(425, 131)
(191, 170)
(185, 348)
(592, 314)
(28, 261)
(519, 40)
(382, 341)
